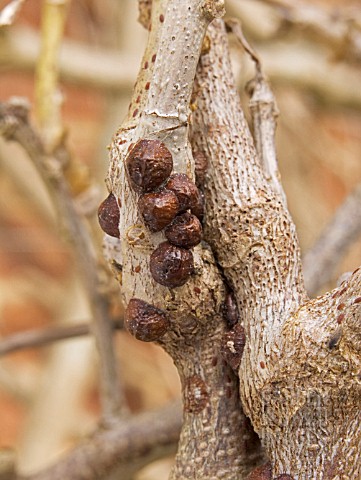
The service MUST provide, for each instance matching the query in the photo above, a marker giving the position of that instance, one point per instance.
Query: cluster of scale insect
(169, 202)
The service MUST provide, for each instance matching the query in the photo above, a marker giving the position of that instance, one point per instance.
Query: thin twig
(124, 448)
(234, 26)
(338, 29)
(321, 260)
(43, 337)
(264, 112)
(47, 94)
(14, 125)
(80, 65)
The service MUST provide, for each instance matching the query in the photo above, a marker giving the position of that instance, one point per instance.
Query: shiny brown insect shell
(145, 321)
(109, 215)
(158, 209)
(187, 192)
(185, 231)
(171, 266)
(148, 164)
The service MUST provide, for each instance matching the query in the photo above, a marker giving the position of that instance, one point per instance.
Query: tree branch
(42, 337)
(78, 64)
(109, 71)
(14, 125)
(191, 325)
(47, 95)
(322, 258)
(298, 364)
(264, 112)
(123, 448)
(337, 29)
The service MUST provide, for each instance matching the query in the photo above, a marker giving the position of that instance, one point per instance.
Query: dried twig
(338, 29)
(43, 337)
(14, 125)
(48, 97)
(264, 113)
(123, 448)
(321, 260)
(307, 68)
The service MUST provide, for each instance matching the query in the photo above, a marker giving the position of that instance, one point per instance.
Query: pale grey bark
(300, 372)
(302, 358)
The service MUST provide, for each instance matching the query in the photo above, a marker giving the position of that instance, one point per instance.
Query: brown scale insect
(145, 321)
(171, 266)
(232, 346)
(109, 215)
(158, 209)
(284, 476)
(196, 394)
(185, 231)
(187, 192)
(148, 164)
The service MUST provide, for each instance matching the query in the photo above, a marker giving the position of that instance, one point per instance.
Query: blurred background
(312, 53)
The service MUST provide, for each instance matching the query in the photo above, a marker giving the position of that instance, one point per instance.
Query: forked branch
(172, 289)
(15, 126)
(301, 358)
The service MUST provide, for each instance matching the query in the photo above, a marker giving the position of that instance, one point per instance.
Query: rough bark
(216, 439)
(300, 371)
(301, 363)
